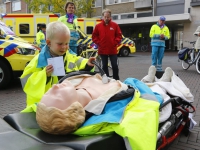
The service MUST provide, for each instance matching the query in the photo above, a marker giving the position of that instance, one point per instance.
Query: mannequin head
(59, 111)
(55, 121)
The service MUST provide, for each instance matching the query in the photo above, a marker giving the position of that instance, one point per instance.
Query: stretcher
(21, 131)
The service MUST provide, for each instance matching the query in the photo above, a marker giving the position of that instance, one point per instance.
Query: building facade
(135, 18)
(15, 6)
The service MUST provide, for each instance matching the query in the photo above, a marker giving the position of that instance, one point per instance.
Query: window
(6, 30)
(24, 29)
(118, 1)
(147, 14)
(96, 3)
(125, 0)
(115, 17)
(16, 6)
(164, 1)
(50, 8)
(39, 26)
(126, 16)
(113, 1)
(89, 29)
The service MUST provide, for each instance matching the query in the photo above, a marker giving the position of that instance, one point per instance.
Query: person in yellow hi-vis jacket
(159, 33)
(41, 36)
(36, 78)
(70, 20)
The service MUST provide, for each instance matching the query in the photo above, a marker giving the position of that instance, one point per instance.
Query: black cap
(43, 25)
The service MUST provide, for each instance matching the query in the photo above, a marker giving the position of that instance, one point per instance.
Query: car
(14, 56)
(124, 48)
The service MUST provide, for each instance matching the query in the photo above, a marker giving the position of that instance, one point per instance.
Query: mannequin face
(60, 96)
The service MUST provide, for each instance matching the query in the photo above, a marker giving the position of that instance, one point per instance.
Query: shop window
(24, 29)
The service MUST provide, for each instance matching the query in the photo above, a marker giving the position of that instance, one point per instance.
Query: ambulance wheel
(124, 51)
(5, 76)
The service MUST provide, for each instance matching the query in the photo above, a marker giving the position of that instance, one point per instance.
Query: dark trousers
(113, 60)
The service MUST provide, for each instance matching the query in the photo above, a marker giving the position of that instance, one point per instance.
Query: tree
(57, 6)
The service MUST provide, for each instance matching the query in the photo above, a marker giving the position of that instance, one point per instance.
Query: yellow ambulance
(26, 27)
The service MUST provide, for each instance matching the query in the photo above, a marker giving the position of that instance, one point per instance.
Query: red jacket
(107, 37)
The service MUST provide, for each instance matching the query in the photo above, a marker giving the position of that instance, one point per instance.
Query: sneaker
(166, 77)
(151, 75)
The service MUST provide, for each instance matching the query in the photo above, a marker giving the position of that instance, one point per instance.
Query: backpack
(183, 53)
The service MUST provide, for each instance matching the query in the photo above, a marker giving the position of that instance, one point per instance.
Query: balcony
(139, 4)
(195, 3)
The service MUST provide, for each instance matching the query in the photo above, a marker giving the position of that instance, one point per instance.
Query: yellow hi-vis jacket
(40, 39)
(35, 81)
(138, 126)
(155, 33)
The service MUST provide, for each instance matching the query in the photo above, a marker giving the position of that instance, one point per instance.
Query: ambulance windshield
(5, 29)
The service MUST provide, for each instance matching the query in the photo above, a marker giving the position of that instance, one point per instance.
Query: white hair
(56, 27)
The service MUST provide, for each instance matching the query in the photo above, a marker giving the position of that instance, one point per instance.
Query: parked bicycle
(83, 51)
(191, 57)
(145, 48)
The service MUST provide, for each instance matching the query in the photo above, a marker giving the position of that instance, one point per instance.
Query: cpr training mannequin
(62, 109)
(69, 100)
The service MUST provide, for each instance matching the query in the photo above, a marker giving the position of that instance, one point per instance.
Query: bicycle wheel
(198, 65)
(185, 64)
(144, 48)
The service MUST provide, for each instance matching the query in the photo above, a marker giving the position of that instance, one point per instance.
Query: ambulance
(26, 27)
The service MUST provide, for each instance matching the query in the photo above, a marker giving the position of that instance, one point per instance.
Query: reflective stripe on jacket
(35, 82)
(155, 35)
(40, 39)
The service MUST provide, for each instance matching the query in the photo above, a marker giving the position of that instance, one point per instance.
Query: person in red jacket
(107, 35)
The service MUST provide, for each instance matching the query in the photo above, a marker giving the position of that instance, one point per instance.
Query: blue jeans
(157, 56)
(113, 60)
